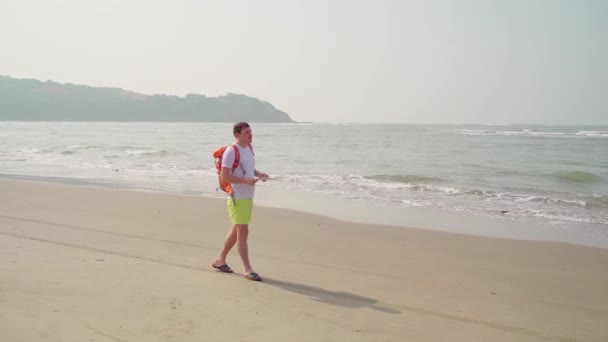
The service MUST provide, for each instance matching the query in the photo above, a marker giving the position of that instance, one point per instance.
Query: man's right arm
(230, 178)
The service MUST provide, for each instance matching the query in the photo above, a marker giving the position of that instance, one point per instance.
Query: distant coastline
(34, 100)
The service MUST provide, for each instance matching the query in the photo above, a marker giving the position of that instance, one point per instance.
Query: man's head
(242, 133)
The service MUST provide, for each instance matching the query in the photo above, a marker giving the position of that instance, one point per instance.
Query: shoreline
(366, 212)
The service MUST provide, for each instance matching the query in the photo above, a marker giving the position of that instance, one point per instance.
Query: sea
(517, 181)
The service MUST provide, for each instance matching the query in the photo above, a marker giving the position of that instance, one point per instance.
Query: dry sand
(87, 264)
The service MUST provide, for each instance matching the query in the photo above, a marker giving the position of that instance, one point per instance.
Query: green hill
(33, 100)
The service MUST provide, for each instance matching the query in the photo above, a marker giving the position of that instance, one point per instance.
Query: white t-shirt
(246, 169)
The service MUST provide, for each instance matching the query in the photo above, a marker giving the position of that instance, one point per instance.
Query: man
(240, 204)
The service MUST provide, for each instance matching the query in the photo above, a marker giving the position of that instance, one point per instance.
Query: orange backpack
(218, 155)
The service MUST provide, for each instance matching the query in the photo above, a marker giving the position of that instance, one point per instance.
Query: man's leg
(240, 215)
(242, 232)
(228, 244)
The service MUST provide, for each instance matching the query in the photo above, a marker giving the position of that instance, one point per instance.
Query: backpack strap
(237, 157)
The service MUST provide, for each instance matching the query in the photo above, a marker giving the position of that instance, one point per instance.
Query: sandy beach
(90, 264)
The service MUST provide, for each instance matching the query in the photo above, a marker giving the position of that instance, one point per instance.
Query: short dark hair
(238, 127)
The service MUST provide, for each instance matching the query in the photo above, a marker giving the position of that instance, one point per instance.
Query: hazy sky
(330, 61)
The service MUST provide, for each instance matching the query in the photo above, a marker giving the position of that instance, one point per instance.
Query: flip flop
(223, 268)
(253, 276)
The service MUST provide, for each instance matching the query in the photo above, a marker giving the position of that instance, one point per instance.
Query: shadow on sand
(344, 299)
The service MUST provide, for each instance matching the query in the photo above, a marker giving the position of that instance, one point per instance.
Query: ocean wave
(379, 185)
(155, 153)
(411, 183)
(160, 153)
(31, 150)
(83, 147)
(577, 177)
(550, 200)
(533, 133)
(593, 133)
(159, 166)
(403, 178)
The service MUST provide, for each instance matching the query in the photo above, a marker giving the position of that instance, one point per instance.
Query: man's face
(245, 137)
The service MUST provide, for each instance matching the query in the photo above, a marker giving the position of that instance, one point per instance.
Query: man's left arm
(260, 174)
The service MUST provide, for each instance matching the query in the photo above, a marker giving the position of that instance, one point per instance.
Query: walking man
(242, 178)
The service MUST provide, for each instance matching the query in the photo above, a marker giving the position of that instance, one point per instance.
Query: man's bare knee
(242, 229)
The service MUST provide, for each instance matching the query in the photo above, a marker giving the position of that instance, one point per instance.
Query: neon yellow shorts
(240, 210)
